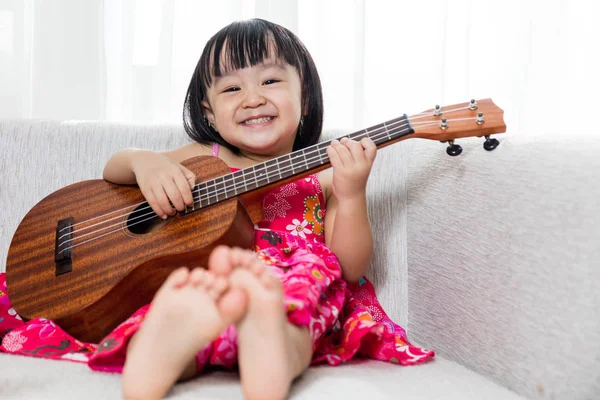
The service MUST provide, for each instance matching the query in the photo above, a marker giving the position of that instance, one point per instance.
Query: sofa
(492, 259)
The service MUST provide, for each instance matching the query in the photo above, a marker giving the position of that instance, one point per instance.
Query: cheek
(293, 108)
(224, 113)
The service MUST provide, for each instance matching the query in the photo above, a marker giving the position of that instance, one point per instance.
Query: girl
(301, 297)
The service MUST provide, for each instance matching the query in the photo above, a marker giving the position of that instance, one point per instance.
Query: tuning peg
(444, 124)
(490, 143)
(473, 104)
(480, 119)
(437, 110)
(453, 149)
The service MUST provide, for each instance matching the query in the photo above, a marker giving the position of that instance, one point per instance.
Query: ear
(208, 113)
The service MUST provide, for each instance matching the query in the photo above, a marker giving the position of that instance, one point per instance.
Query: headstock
(479, 118)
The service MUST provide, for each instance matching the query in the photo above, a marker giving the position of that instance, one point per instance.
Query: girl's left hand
(351, 162)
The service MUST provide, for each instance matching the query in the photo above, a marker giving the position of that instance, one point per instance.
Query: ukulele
(90, 254)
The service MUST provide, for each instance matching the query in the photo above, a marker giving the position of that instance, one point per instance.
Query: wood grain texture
(114, 274)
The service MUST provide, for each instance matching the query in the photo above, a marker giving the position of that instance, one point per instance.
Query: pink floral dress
(345, 321)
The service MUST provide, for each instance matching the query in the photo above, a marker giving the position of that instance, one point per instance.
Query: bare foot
(271, 351)
(188, 311)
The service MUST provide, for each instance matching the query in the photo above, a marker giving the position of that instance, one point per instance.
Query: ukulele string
(200, 198)
(151, 214)
(411, 117)
(197, 189)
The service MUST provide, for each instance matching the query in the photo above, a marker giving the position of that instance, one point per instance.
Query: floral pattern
(298, 228)
(314, 214)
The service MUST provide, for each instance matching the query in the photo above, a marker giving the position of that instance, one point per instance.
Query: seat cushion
(33, 378)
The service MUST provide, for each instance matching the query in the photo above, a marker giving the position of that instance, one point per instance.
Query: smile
(257, 120)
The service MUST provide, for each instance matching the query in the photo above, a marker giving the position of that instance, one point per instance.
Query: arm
(347, 227)
(348, 233)
(120, 166)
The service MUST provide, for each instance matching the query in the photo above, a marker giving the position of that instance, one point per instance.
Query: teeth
(257, 120)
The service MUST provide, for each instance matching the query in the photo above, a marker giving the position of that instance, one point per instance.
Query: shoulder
(189, 150)
(325, 179)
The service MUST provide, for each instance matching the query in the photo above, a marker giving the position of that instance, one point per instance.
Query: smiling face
(258, 108)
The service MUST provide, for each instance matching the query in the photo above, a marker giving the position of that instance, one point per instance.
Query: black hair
(249, 43)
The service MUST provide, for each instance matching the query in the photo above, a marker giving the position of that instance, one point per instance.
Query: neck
(292, 165)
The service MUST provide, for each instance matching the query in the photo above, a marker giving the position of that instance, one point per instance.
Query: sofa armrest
(503, 261)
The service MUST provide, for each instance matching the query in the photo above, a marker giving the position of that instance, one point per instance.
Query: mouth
(257, 120)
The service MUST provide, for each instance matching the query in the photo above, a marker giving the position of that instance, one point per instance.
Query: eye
(231, 89)
(270, 81)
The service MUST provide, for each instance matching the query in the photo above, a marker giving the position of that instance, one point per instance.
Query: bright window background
(131, 60)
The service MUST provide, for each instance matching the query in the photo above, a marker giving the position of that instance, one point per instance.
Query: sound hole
(143, 220)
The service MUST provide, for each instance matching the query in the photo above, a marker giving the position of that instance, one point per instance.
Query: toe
(197, 276)
(241, 258)
(233, 305)
(208, 280)
(258, 267)
(218, 261)
(218, 288)
(177, 278)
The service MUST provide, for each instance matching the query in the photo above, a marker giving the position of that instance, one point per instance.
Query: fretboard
(295, 163)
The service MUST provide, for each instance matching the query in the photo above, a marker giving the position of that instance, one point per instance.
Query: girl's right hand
(164, 182)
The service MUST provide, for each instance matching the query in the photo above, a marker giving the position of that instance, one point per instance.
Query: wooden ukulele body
(120, 269)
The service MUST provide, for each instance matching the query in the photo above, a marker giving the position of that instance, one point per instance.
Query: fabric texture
(503, 253)
(344, 321)
(28, 378)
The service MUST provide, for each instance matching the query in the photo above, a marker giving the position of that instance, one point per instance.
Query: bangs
(242, 45)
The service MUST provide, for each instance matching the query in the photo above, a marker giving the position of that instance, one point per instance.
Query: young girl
(300, 298)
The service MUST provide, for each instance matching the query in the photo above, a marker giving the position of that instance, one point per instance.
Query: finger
(189, 176)
(184, 189)
(334, 157)
(152, 202)
(344, 151)
(357, 151)
(370, 149)
(174, 195)
(163, 201)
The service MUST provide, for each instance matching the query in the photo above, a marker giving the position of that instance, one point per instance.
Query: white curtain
(131, 60)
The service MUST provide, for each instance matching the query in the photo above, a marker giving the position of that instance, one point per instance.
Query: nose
(253, 98)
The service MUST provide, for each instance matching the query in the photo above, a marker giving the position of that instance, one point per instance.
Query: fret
(219, 186)
(387, 131)
(278, 168)
(305, 160)
(291, 163)
(272, 169)
(255, 177)
(258, 176)
(238, 178)
(285, 164)
(207, 194)
(234, 185)
(319, 153)
(244, 179)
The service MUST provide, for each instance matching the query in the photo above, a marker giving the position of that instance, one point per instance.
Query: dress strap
(215, 149)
